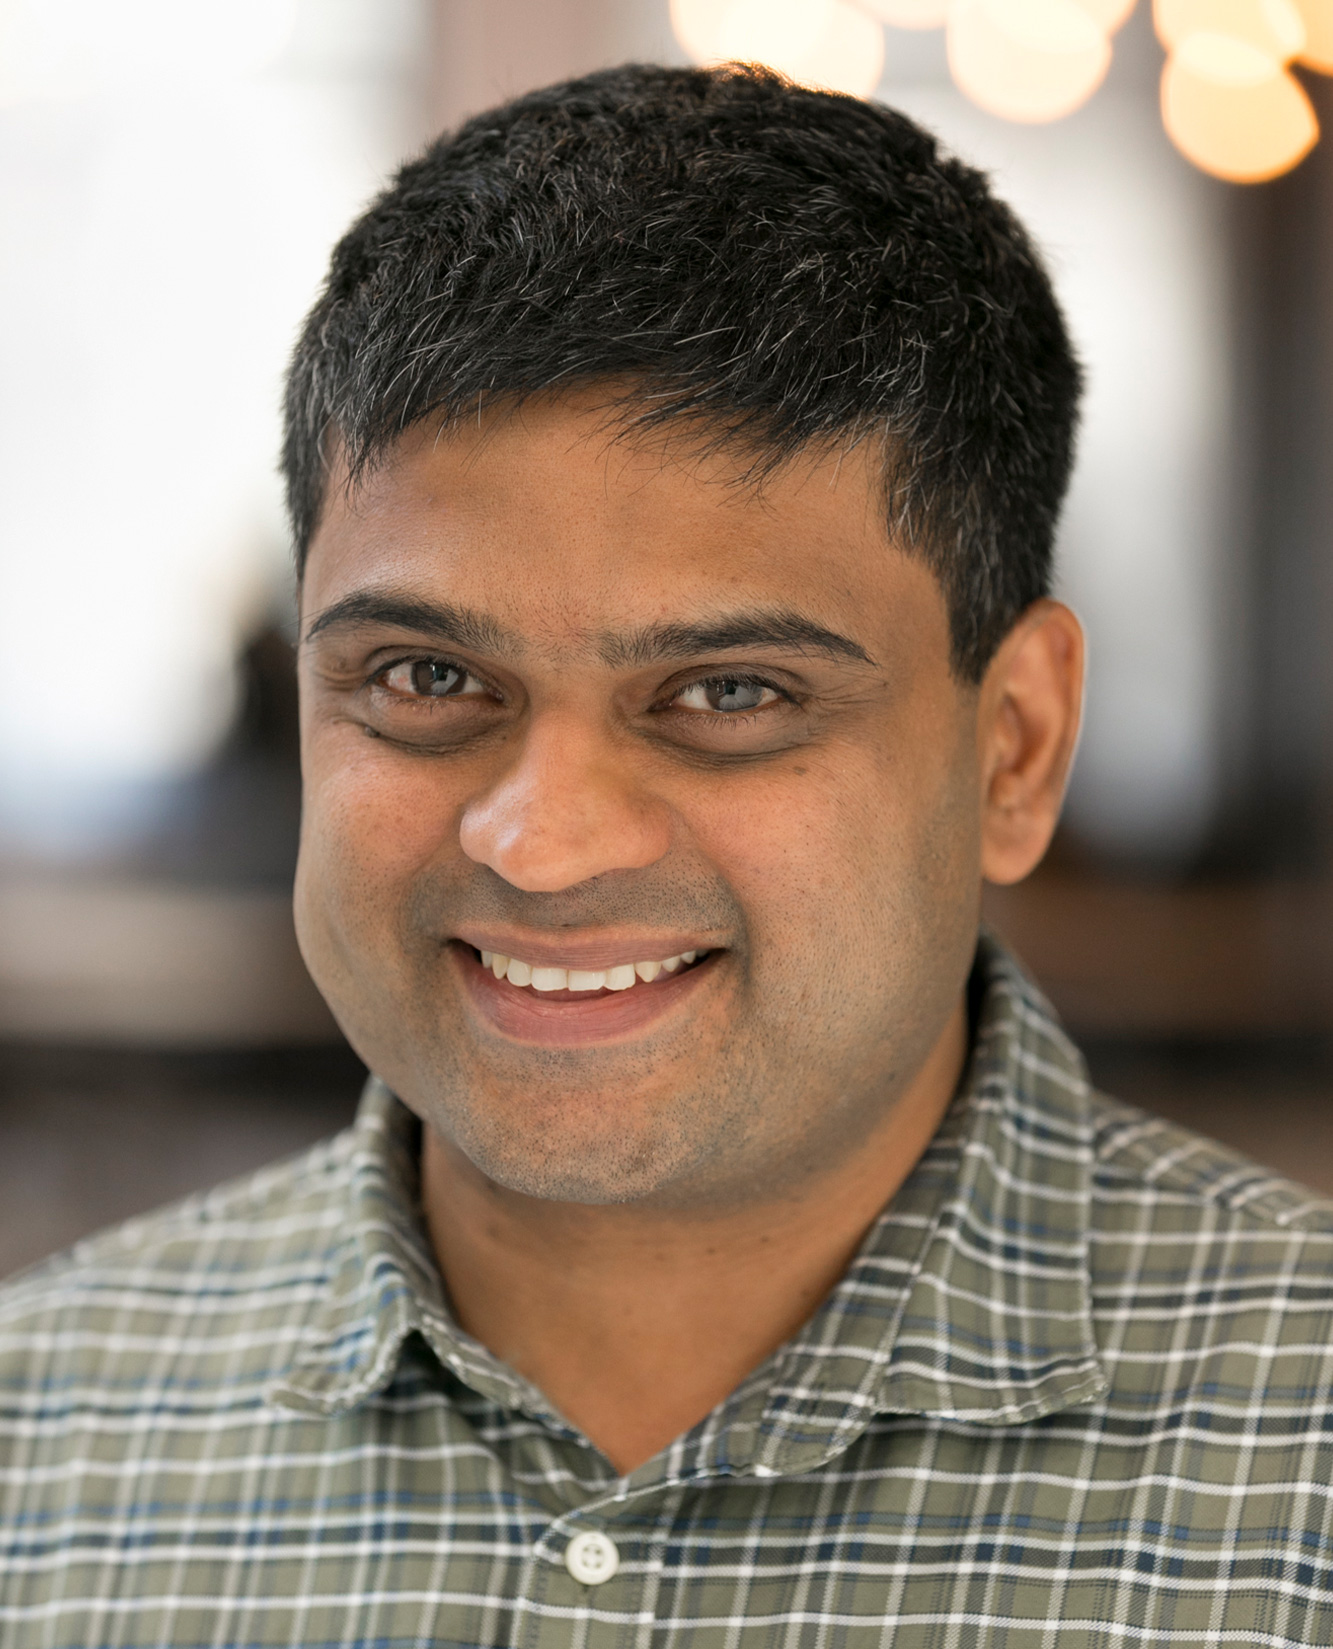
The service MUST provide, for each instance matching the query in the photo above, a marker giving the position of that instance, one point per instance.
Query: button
(592, 1558)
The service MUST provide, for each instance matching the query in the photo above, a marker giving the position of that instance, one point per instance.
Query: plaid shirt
(1074, 1390)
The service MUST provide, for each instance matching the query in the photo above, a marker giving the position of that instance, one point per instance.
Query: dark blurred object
(184, 938)
(1278, 820)
(236, 822)
(90, 1136)
(1195, 960)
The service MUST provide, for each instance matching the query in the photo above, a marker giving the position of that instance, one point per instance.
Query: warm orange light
(1027, 60)
(821, 42)
(759, 31)
(1228, 102)
(1234, 111)
(1317, 15)
(911, 14)
(847, 57)
(694, 24)
(770, 31)
(1272, 26)
(1108, 15)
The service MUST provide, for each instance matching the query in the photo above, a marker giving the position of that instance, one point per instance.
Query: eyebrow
(454, 626)
(441, 621)
(783, 628)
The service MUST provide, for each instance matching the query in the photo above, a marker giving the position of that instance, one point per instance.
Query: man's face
(586, 706)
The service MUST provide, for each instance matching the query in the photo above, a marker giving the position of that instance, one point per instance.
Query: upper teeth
(580, 979)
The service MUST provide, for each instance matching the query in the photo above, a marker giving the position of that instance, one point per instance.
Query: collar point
(941, 1399)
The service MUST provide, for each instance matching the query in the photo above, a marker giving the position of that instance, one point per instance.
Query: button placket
(553, 1595)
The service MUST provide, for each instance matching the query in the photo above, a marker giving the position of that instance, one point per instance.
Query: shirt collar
(383, 1284)
(970, 1299)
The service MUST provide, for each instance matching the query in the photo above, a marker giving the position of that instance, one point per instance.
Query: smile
(534, 976)
(544, 1003)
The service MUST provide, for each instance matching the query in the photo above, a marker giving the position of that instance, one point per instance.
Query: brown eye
(432, 678)
(726, 695)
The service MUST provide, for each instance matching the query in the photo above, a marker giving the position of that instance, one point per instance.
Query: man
(729, 1251)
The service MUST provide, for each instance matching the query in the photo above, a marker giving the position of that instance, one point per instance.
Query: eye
(726, 695)
(431, 678)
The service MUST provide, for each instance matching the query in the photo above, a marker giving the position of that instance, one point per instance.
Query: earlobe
(1028, 721)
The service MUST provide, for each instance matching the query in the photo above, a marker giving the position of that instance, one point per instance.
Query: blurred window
(172, 174)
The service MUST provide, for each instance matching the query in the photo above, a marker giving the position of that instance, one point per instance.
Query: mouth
(548, 981)
(541, 1002)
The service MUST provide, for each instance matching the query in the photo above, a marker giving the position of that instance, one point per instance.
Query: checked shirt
(1073, 1391)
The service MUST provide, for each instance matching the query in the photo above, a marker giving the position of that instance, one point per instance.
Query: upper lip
(591, 953)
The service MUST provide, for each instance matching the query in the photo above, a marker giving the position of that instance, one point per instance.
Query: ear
(1028, 717)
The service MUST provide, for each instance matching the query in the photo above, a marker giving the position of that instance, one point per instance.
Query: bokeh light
(770, 31)
(1233, 110)
(1228, 102)
(1273, 27)
(752, 31)
(847, 57)
(1027, 60)
(697, 26)
(1317, 15)
(821, 42)
(910, 14)
(1108, 15)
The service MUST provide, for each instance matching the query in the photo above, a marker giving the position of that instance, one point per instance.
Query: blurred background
(172, 176)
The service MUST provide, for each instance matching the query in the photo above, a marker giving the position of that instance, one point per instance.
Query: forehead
(548, 521)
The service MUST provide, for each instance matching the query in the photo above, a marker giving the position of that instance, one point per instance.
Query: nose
(567, 809)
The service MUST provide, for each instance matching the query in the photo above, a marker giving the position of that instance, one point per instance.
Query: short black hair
(785, 267)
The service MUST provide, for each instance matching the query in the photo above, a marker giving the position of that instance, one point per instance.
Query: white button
(592, 1558)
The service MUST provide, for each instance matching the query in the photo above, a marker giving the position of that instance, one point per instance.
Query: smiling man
(644, 814)
(729, 1251)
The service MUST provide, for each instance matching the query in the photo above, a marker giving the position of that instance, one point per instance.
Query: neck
(636, 1322)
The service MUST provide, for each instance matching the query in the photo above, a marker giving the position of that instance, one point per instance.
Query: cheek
(794, 842)
(847, 846)
(371, 818)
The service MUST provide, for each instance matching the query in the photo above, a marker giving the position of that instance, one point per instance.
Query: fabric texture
(1073, 1391)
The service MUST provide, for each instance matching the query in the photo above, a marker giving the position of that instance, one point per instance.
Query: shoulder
(1208, 1270)
(228, 1275)
(1172, 1176)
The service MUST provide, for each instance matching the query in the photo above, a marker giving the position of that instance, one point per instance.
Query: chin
(574, 1172)
(613, 1156)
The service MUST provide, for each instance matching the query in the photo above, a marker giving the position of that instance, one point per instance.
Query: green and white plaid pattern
(1074, 1391)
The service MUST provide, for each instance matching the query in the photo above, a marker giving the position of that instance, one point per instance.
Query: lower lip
(565, 1019)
